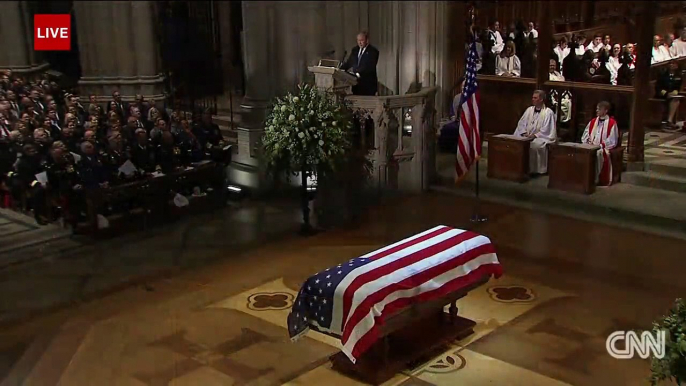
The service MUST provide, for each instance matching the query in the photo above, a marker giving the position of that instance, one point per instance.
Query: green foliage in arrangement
(673, 366)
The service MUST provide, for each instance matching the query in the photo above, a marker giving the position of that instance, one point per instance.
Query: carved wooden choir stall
(571, 166)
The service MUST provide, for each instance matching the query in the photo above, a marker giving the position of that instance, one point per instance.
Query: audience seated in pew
(54, 152)
(538, 122)
(602, 131)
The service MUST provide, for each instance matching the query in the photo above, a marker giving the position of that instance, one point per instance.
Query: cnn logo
(643, 345)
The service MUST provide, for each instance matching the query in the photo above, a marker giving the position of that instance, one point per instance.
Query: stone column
(642, 90)
(259, 68)
(118, 49)
(16, 39)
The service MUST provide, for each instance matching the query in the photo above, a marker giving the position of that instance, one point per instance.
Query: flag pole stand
(477, 217)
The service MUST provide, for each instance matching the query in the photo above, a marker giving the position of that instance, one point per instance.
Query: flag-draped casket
(352, 299)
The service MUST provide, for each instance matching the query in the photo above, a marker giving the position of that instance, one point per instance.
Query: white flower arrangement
(308, 131)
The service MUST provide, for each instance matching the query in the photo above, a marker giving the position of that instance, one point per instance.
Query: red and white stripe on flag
(469, 139)
(421, 268)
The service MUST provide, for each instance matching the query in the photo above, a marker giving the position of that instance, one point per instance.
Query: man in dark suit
(362, 63)
(121, 109)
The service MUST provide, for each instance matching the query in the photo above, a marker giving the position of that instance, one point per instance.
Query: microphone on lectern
(340, 64)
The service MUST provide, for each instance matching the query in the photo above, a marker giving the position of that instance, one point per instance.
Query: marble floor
(567, 285)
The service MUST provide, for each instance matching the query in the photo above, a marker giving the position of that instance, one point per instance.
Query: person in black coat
(362, 63)
(667, 87)
(143, 153)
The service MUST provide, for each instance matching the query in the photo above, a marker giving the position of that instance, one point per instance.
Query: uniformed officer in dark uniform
(142, 153)
(167, 154)
(65, 184)
(24, 181)
(8, 156)
(42, 142)
(114, 157)
(93, 171)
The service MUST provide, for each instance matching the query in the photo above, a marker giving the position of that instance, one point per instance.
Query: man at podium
(362, 63)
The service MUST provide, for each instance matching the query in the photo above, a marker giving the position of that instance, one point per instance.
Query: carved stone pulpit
(333, 79)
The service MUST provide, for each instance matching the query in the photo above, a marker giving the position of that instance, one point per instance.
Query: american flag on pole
(469, 139)
(352, 299)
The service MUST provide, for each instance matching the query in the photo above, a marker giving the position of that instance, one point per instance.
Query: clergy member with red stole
(602, 131)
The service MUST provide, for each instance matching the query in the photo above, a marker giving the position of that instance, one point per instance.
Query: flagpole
(477, 217)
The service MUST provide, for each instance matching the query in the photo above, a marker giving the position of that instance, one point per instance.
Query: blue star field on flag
(315, 299)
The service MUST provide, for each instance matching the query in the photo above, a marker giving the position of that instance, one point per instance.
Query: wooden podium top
(512, 137)
(583, 146)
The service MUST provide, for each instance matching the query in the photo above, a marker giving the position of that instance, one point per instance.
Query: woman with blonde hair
(507, 63)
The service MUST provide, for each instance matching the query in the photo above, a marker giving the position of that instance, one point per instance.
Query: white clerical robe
(510, 64)
(679, 48)
(594, 48)
(658, 55)
(602, 132)
(613, 66)
(561, 54)
(667, 52)
(498, 43)
(556, 76)
(542, 125)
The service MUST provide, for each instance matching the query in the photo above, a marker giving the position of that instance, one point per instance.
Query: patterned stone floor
(567, 285)
(19, 233)
(660, 145)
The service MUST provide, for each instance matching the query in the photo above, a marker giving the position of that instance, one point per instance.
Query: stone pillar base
(151, 87)
(27, 70)
(247, 168)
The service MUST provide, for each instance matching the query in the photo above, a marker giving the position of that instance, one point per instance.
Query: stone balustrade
(403, 132)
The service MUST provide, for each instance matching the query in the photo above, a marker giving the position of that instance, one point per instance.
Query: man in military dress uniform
(114, 157)
(24, 181)
(93, 171)
(142, 153)
(65, 185)
(167, 154)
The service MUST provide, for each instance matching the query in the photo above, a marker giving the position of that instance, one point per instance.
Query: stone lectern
(332, 78)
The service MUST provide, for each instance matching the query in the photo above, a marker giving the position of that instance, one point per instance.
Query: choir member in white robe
(596, 44)
(613, 64)
(581, 48)
(602, 131)
(538, 122)
(561, 50)
(553, 74)
(507, 63)
(607, 43)
(658, 55)
(680, 45)
(667, 47)
(531, 31)
(497, 38)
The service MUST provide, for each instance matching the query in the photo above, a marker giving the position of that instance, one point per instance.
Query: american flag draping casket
(351, 299)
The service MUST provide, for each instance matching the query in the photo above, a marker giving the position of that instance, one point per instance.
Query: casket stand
(407, 337)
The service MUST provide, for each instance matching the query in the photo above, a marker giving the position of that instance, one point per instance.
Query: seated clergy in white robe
(539, 123)
(602, 131)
